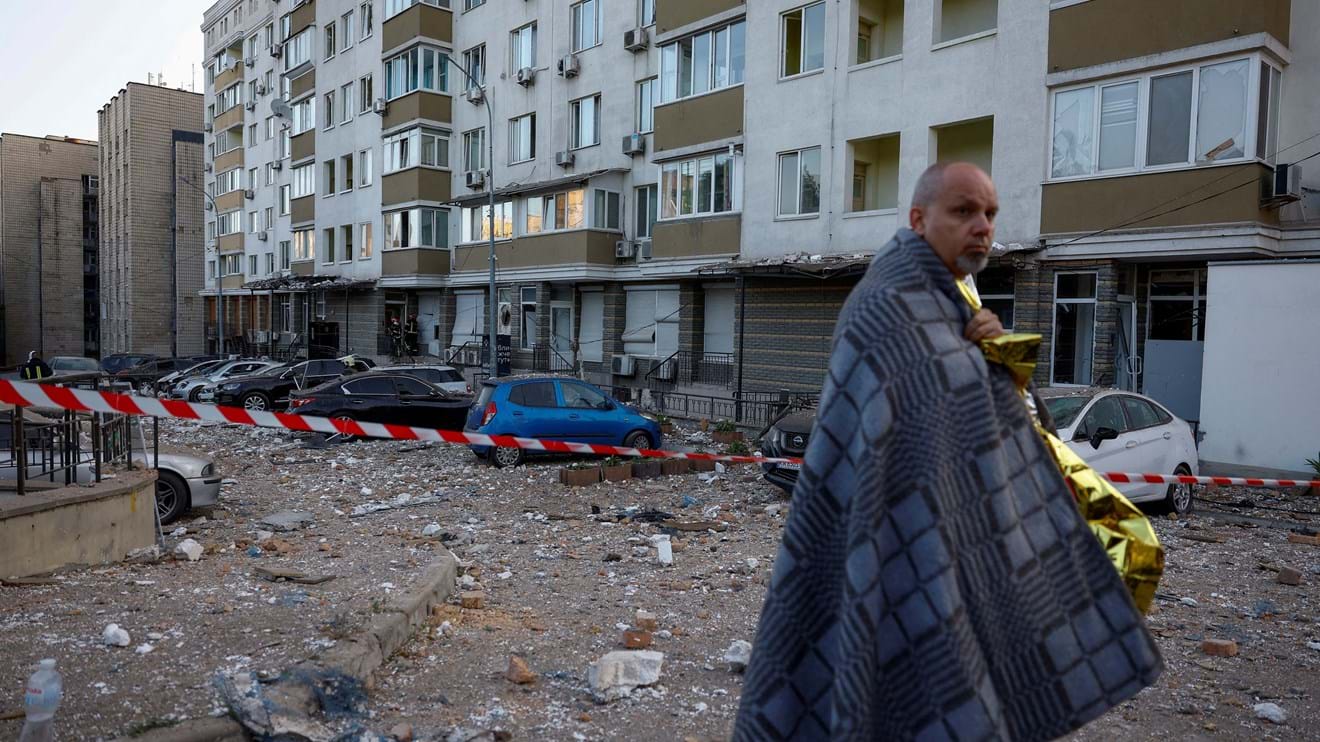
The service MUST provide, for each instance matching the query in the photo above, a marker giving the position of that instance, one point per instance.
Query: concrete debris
(431, 529)
(402, 732)
(1270, 712)
(738, 655)
(144, 649)
(264, 716)
(114, 636)
(647, 621)
(617, 674)
(1220, 647)
(1288, 576)
(1189, 602)
(190, 549)
(518, 672)
(179, 532)
(287, 520)
(466, 734)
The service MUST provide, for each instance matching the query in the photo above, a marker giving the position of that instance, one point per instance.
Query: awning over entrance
(311, 283)
(800, 264)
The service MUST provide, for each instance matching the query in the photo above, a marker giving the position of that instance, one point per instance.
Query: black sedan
(382, 397)
(270, 390)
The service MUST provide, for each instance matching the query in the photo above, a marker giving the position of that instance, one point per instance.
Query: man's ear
(917, 220)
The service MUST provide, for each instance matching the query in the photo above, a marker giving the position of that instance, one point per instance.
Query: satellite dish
(279, 107)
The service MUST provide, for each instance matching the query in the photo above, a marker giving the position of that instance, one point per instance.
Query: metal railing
(693, 367)
(547, 358)
(467, 355)
(747, 409)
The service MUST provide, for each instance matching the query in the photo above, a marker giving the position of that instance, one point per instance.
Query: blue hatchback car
(555, 408)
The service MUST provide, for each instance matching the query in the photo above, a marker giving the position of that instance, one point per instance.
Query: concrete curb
(356, 657)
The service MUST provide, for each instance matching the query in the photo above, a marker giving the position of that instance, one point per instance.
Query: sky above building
(63, 60)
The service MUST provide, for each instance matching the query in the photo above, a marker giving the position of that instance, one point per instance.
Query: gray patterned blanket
(935, 580)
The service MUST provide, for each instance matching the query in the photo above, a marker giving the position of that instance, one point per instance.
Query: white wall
(1260, 404)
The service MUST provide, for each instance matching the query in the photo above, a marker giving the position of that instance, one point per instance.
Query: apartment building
(687, 190)
(49, 224)
(151, 202)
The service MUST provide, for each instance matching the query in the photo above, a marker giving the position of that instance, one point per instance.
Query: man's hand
(984, 325)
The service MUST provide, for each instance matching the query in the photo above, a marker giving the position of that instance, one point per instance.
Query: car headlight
(649, 416)
(230, 387)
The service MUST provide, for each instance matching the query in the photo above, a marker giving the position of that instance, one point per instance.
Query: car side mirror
(1101, 435)
(606, 405)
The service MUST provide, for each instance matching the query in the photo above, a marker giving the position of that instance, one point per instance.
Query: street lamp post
(492, 364)
(219, 275)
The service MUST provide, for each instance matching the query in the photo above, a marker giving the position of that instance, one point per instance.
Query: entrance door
(1175, 340)
(1127, 366)
(561, 337)
(428, 315)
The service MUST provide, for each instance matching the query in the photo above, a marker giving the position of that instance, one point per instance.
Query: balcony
(415, 184)
(229, 160)
(302, 210)
(303, 84)
(229, 119)
(704, 118)
(303, 16)
(576, 248)
(419, 21)
(229, 243)
(418, 105)
(414, 261)
(300, 147)
(228, 77)
(694, 238)
(671, 15)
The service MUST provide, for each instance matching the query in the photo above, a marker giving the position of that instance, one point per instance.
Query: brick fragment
(1288, 576)
(636, 639)
(1220, 647)
(472, 599)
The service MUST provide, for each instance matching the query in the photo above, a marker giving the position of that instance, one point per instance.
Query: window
(328, 170)
(329, 106)
(346, 103)
(585, 122)
(416, 228)
(365, 20)
(270, 128)
(395, 7)
(364, 168)
(474, 149)
(365, 100)
(474, 61)
(527, 315)
(268, 217)
(644, 218)
(699, 186)
(803, 48)
(365, 246)
(1074, 328)
(228, 98)
(284, 199)
(522, 138)
(210, 269)
(303, 115)
(556, 211)
(346, 234)
(270, 263)
(708, 61)
(418, 146)
(252, 90)
(957, 19)
(229, 223)
(799, 182)
(346, 173)
(995, 287)
(647, 15)
(419, 68)
(285, 148)
(304, 180)
(1140, 413)
(346, 26)
(231, 265)
(1177, 308)
(879, 30)
(522, 48)
(330, 46)
(227, 181)
(1105, 413)
(253, 225)
(874, 173)
(476, 222)
(605, 210)
(328, 246)
(252, 178)
(646, 106)
(1186, 117)
(298, 50)
(586, 24)
(252, 265)
(534, 394)
(270, 174)
(252, 135)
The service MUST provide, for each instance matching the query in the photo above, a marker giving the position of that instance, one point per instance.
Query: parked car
(270, 390)
(447, 378)
(191, 387)
(144, 376)
(1127, 432)
(393, 399)
(787, 437)
(558, 409)
(74, 365)
(116, 362)
(167, 382)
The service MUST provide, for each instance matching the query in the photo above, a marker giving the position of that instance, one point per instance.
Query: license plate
(791, 467)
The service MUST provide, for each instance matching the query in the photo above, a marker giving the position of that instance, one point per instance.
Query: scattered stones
(1220, 647)
(287, 520)
(738, 655)
(114, 636)
(617, 674)
(472, 599)
(402, 732)
(1270, 712)
(190, 549)
(179, 532)
(636, 639)
(664, 553)
(431, 529)
(144, 649)
(1288, 576)
(518, 672)
(1189, 602)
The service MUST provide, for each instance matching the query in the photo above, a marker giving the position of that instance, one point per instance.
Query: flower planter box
(646, 469)
(674, 467)
(726, 437)
(579, 477)
(666, 428)
(619, 473)
(701, 465)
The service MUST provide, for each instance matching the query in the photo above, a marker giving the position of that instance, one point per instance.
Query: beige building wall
(151, 237)
(41, 235)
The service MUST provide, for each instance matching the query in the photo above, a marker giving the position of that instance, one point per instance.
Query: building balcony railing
(687, 367)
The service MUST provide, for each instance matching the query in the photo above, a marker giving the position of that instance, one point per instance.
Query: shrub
(725, 426)
(737, 448)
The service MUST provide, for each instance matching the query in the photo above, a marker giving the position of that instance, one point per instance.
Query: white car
(1117, 431)
(447, 378)
(191, 388)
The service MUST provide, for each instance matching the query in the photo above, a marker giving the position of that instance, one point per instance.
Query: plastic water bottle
(45, 689)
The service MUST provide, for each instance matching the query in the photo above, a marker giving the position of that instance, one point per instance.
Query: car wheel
(507, 457)
(256, 402)
(637, 439)
(172, 498)
(194, 394)
(1179, 499)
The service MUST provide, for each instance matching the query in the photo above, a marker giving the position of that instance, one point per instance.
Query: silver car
(168, 381)
(191, 388)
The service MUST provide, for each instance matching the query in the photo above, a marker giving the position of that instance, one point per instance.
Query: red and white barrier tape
(26, 394)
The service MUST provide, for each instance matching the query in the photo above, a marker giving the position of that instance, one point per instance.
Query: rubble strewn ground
(554, 579)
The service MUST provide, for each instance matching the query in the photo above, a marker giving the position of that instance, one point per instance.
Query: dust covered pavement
(555, 579)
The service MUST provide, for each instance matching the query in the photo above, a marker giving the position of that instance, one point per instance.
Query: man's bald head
(954, 207)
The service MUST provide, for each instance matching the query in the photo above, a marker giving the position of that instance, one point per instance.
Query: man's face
(960, 223)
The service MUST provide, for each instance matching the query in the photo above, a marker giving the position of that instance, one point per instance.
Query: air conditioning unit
(475, 178)
(569, 65)
(635, 40)
(250, 61)
(471, 357)
(665, 371)
(277, 165)
(505, 317)
(526, 76)
(263, 235)
(208, 126)
(644, 250)
(474, 95)
(207, 167)
(623, 249)
(380, 106)
(1287, 185)
(634, 144)
(249, 194)
(261, 88)
(276, 50)
(250, 105)
(623, 365)
(564, 159)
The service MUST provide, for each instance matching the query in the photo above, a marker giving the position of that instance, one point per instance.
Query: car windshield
(1064, 409)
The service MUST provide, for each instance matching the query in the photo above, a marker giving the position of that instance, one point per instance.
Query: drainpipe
(742, 328)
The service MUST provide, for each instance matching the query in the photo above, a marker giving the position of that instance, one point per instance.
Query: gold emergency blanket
(1124, 531)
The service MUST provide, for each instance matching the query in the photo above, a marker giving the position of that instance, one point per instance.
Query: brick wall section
(61, 261)
(1034, 312)
(790, 325)
(691, 316)
(24, 161)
